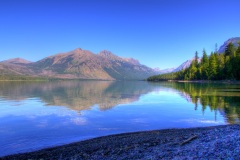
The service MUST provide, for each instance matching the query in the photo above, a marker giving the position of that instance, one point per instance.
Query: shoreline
(211, 81)
(214, 142)
(201, 81)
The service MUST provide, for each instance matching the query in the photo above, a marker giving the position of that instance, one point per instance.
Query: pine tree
(196, 57)
(236, 64)
(216, 48)
(204, 66)
(220, 66)
(228, 68)
(229, 50)
(229, 56)
(212, 66)
(192, 71)
(197, 74)
(238, 50)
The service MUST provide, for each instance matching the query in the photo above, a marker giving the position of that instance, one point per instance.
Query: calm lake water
(35, 115)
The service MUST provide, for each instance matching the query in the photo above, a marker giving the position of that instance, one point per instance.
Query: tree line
(217, 66)
(21, 78)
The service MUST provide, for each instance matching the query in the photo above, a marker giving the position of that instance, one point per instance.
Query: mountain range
(83, 64)
(79, 64)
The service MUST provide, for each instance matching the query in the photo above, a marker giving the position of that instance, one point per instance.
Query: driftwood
(188, 140)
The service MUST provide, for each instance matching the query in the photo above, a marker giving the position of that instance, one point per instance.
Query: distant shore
(203, 81)
(206, 81)
(218, 142)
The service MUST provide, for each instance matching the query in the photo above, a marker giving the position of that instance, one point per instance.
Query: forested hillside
(216, 66)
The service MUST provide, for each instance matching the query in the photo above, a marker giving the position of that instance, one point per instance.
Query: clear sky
(159, 33)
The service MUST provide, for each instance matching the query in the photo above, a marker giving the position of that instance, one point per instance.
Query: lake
(36, 115)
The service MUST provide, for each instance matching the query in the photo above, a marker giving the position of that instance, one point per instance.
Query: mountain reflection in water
(77, 95)
(82, 95)
(35, 115)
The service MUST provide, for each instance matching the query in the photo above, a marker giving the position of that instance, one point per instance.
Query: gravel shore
(219, 142)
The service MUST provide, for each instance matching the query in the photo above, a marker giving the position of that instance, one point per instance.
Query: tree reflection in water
(222, 97)
(82, 95)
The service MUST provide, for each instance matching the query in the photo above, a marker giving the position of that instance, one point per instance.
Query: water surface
(35, 115)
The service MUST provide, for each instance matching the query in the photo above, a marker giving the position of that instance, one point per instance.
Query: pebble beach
(218, 142)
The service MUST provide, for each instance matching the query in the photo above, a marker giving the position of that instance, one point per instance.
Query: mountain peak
(233, 40)
(163, 71)
(77, 49)
(186, 64)
(132, 61)
(106, 53)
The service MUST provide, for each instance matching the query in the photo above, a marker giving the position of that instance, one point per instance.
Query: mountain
(79, 64)
(16, 66)
(124, 68)
(234, 40)
(17, 61)
(163, 71)
(74, 64)
(18, 69)
(183, 66)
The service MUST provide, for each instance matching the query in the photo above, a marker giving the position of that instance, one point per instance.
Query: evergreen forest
(216, 66)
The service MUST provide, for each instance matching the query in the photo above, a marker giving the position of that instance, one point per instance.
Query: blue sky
(159, 33)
